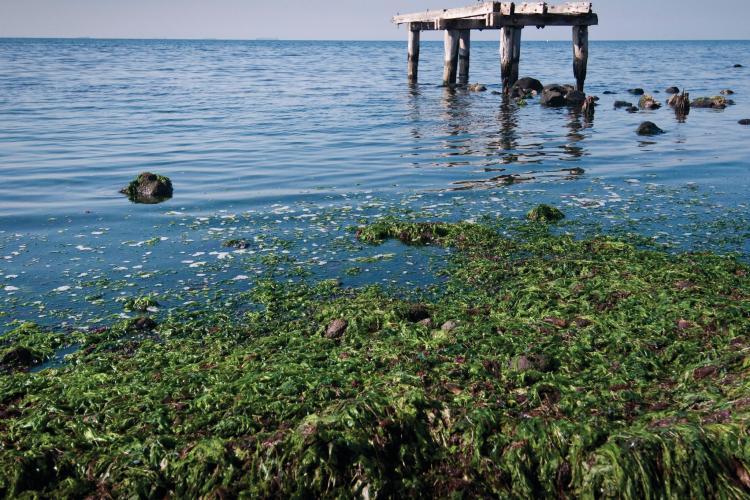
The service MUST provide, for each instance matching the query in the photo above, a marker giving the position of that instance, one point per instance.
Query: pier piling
(451, 57)
(580, 54)
(464, 55)
(413, 57)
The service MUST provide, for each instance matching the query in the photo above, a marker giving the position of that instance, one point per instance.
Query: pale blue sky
(344, 19)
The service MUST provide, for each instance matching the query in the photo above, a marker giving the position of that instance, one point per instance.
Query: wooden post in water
(464, 54)
(580, 54)
(510, 53)
(451, 57)
(413, 71)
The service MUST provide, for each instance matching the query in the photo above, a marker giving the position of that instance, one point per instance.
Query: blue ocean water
(289, 143)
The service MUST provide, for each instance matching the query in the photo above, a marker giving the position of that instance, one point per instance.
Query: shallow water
(290, 143)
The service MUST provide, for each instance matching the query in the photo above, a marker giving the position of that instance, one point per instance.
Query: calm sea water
(274, 141)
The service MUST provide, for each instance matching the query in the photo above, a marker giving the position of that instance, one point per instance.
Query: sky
(345, 19)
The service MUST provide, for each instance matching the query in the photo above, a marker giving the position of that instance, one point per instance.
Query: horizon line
(273, 39)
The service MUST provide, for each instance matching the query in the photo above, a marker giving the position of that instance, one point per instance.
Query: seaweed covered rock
(148, 188)
(143, 324)
(536, 362)
(727, 92)
(589, 107)
(19, 357)
(557, 96)
(672, 90)
(715, 102)
(238, 244)
(545, 213)
(476, 87)
(648, 128)
(648, 102)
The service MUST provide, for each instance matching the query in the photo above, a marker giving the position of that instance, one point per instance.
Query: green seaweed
(593, 368)
(545, 213)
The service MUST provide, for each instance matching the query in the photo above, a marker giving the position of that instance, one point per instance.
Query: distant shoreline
(271, 39)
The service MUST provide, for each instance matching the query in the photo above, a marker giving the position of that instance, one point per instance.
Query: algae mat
(539, 366)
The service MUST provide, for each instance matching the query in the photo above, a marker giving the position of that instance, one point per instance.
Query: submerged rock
(238, 244)
(336, 328)
(19, 357)
(715, 102)
(476, 87)
(637, 91)
(738, 66)
(623, 104)
(143, 324)
(608, 92)
(648, 128)
(727, 92)
(672, 90)
(632, 109)
(148, 188)
(589, 107)
(557, 96)
(744, 121)
(648, 102)
(545, 213)
(574, 98)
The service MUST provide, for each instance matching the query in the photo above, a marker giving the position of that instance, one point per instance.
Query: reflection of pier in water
(495, 145)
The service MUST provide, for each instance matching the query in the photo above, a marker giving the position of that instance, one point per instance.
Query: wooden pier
(509, 17)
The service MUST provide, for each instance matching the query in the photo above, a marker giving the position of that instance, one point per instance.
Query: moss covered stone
(545, 213)
(149, 188)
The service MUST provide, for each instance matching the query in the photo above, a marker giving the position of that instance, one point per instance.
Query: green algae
(574, 368)
(545, 213)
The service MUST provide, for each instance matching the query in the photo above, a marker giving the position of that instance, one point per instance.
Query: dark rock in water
(148, 188)
(336, 328)
(575, 171)
(574, 98)
(637, 91)
(623, 104)
(527, 84)
(553, 99)
(738, 66)
(608, 92)
(648, 128)
(238, 244)
(632, 109)
(545, 213)
(744, 121)
(143, 324)
(476, 87)
(716, 102)
(496, 92)
(19, 357)
(555, 87)
(672, 90)
(537, 362)
(648, 102)
(727, 92)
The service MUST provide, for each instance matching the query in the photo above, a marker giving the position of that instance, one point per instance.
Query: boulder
(637, 91)
(476, 87)
(672, 90)
(449, 326)
(623, 104)
(148, 188)
(19, 357)
(336, 328)
(648, 102)
(553, 99)
(545, 213)
(648, 128)
(528, 84)
(537, 362)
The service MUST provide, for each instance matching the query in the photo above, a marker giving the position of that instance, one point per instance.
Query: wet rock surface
(648, 102)
(623, 104)
(672, 90)
(545, 213)
(636, 91)
(336, 328)
(476, 87)
(744, 121)
(649, 128)
(149, 188)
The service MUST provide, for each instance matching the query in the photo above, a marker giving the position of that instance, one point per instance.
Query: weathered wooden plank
(481, 9)
(413, 55)
(543, 20)
(510, 56)
(464, 54)
(570, 8)
(451, 57)
(531, 8)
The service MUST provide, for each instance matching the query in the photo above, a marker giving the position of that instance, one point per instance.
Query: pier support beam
(464, 54)
(580, 54)
(413, 70)
(510, 54)
(451, 57)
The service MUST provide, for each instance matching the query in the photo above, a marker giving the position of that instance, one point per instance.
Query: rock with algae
(149, 188)
(545, 213)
